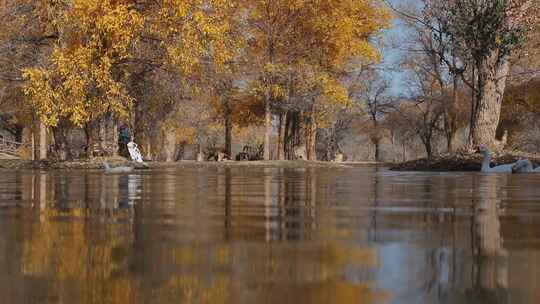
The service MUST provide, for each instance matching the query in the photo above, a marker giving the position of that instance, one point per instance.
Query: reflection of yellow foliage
(196, 289)
(63, 245)
(342, 292)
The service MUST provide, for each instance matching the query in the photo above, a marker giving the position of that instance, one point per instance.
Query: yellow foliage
(83, 80)
(195, 31)
(303, 47)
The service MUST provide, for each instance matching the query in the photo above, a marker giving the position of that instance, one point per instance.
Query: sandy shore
(98, 164)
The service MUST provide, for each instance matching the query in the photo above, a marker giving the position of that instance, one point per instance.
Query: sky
(395, 41)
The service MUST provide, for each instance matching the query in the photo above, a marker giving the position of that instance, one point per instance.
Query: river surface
(269, 235)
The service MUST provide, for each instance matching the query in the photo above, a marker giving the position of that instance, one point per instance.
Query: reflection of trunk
(268, 205)
(487, 216)
(42, 194)
(268, 129)
(228, 215)
(492, 270)
(492, 74)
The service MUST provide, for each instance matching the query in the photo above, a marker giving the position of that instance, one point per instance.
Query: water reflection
(268, 235)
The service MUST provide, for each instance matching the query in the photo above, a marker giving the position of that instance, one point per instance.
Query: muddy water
(263, 235)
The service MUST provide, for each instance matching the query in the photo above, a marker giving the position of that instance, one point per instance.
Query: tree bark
(61, 144)
(228, 129)
(311, 143)
(281, 137)
(268, 129)
(450, 116)
(169, 144)
(102, 137)
(376, 138)
(42, 141)
(492, 74)
(377, 145)
(33, 144)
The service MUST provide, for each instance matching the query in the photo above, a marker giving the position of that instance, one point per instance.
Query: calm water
(269, 236)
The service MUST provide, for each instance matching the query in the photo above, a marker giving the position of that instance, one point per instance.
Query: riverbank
(18, 164)
(462, 162)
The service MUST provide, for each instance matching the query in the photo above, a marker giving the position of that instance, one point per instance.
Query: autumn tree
(26, 41)
(489, 32)
(84, 81)
(186, 51)
(300, 50)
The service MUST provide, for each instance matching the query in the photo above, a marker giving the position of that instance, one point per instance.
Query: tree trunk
(61, 143)
(429, 149)
(313, 142)
(492, 74)
(281, 137)
(311, 139)
(268, 129)
(377, 145)
(42, 141)
(450, 117)
(102, 137)
(33, 144)
(109, 130)
(228, 130)
(169, 145)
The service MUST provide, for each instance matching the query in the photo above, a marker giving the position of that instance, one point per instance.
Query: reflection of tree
(227, 203)
(490, 272)
(84, 251)
(373, 225)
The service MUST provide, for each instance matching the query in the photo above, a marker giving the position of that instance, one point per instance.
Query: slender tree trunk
(429, 152)
(287, 137)
(268, 129)
(228, 130)
(492, 74)
(376, 138)
(42, 141)
(33, 144)
(312, 148)
(451, 125)
(281, 137)
(473, 107)
(377, 145)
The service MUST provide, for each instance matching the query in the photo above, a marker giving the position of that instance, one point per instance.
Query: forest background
(279, 79)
